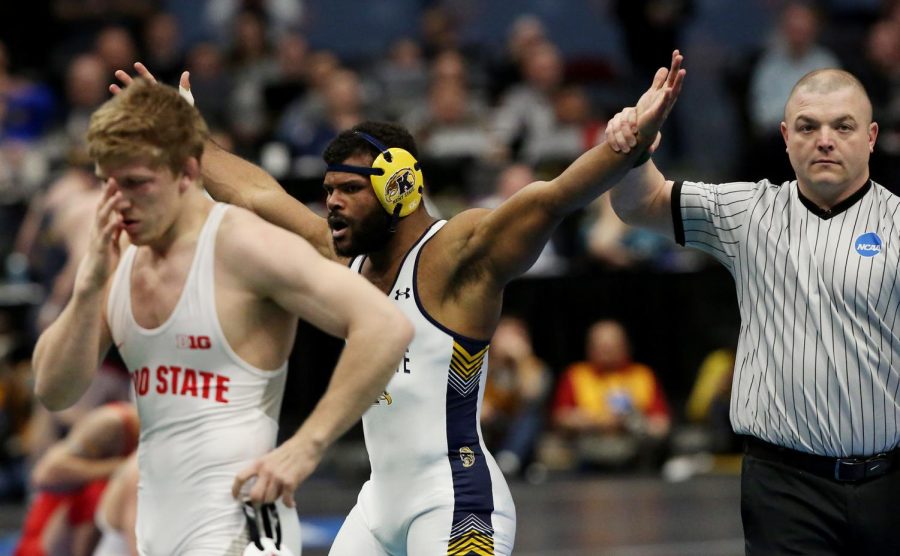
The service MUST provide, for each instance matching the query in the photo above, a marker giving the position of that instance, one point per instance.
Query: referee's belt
(845, 470)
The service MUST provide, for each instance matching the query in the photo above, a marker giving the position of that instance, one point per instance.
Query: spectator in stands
(322, 65)
(573, 130)
(709, 401)
(450, 129)
(612, 409)
(518, 385)
(16, 400)
(706, 439)
(162, 47)
(793, 52)
(526, 114)
(211, 83)
(879, 72)
(449, 125)
(402, 77)
(307, 136)
(664, 20)
(85, 89)
(115, 46)
(70, 478)
(27, 109)
(280, 16)
(525, 32)
(289, 81)
(439, 30)
(251, 62)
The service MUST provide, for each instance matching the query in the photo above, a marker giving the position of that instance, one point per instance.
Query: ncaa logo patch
(868, 244)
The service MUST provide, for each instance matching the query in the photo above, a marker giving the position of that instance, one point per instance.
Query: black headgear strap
(369, 171)
(364, 170)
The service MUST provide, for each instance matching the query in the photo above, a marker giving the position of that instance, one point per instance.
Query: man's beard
(371, 234)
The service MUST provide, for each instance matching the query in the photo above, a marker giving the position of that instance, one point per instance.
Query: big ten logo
(187, 341)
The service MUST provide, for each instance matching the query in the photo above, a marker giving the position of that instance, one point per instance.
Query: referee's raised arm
(817, 272)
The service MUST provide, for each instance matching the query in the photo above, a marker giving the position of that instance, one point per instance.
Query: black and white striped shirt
(818, 359)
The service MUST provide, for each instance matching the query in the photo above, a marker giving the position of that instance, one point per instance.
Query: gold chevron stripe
(460, 547)
(466, 364)
(463, 352)
(473, 542)
(465, 373)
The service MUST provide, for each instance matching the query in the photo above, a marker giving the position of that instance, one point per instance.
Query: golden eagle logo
(467, 456)
(384, 396)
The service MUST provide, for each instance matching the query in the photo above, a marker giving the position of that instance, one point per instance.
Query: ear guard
(265, 531)
(395, 175)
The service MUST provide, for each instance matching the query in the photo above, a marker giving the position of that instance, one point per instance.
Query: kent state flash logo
(401, 183)
(868, 244)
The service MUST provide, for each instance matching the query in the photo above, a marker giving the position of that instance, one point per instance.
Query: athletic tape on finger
(186, 94)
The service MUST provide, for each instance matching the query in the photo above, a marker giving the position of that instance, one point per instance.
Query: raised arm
(236, 181)
(338, 301)
(509, 238)
(644, 196)
(69, 350)
(233, 180)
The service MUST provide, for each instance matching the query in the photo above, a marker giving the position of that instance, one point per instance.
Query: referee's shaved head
(828, 80)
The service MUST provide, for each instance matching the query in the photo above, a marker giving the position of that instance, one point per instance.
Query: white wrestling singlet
(205, 414)
(434, 487)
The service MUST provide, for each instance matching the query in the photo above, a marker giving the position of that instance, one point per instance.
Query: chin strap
(395, 217)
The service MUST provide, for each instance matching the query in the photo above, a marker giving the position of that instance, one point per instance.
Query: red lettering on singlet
(189, 384)
(175, 372)
(221, 388)
(141, 378)
(206, 376)
(161, 382)
(167, 382)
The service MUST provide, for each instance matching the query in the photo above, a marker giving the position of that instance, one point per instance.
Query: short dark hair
(827, 80)
(349, 143)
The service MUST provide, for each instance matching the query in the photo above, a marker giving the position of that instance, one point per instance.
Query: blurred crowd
(488, 120)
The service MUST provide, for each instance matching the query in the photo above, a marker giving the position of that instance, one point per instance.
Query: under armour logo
(405, 294)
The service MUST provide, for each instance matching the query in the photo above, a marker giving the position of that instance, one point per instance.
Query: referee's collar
(825, 214)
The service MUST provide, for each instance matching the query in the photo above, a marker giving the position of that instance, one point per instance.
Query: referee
(817, 373)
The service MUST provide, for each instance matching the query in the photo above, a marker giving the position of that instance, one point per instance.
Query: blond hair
(148, 122)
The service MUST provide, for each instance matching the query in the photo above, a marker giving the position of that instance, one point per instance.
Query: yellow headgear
(395, 175)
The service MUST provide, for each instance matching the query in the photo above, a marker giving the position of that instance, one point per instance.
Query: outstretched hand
(184, 84)
(643, 120)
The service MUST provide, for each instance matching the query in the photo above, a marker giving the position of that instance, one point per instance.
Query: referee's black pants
(786, 510)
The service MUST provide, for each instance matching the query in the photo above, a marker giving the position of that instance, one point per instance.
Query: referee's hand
(655, 104)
